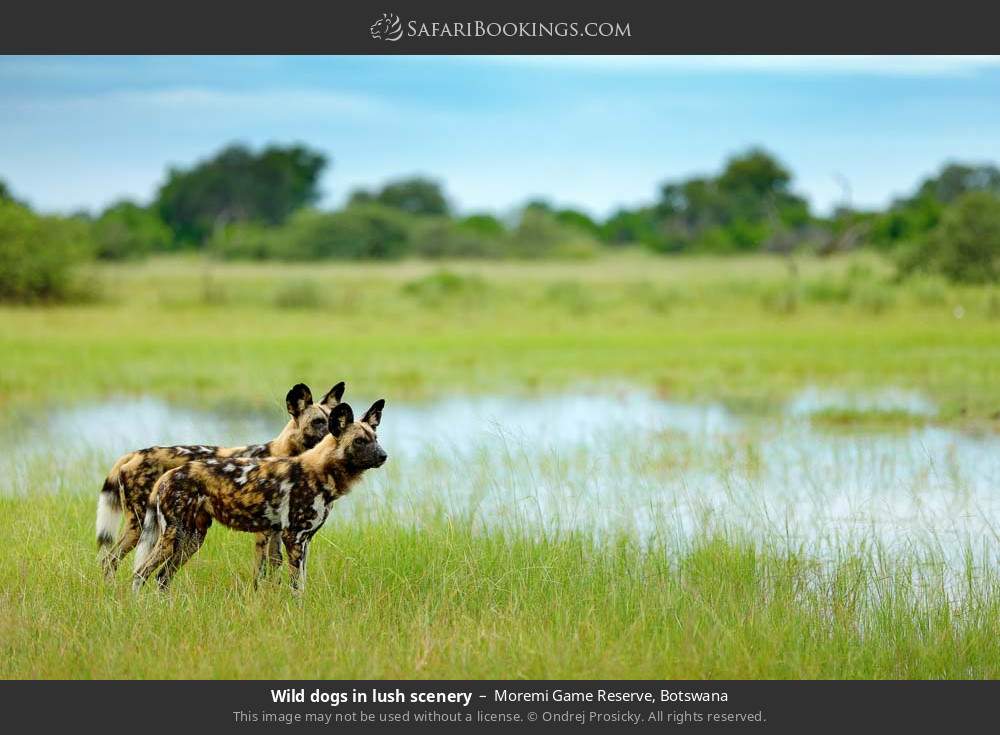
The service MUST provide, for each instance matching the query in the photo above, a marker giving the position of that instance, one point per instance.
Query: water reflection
(598, 461)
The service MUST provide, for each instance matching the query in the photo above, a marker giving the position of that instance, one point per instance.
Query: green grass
(867, 418)
(388, 598)
(437, 591)
(691, 328)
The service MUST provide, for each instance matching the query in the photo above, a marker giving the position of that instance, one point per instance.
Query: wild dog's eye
(358, 441)
(319, 422)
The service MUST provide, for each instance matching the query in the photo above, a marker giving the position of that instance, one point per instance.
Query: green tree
(580, 220)
(910, 220)
(485, 225)
(906, 221)
(38, 254)
(747, 206)
(539, 234)
(965, 245)
(6, 195)
(442, 237)
(247, 241)
(126, 230)
(414, 195)
(364, 231)
(956, 179)
(635, 226)
(238, 185)
(755, 173)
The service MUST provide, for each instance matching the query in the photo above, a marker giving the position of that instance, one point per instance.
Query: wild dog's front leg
(267, 550)
(274, 550)
(296, 549)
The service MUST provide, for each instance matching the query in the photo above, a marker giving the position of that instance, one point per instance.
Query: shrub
(826, 290)
(658, 299)
(964, 246)
(929, 290)
(627, 227)
(485, 225)
(361, 231)
(298, 295)
(126, 230)
(439, 237)
(244, 241)
(415, 195)
(571, 295)
(539, 234)
(993, 305)
(782, 298)
(445, 285)
(873, 297)
(38, 254)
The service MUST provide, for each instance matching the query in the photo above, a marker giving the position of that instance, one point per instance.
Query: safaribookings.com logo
(390, 28)
(387, 28)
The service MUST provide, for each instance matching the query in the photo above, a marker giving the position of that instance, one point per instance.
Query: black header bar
(512, 27)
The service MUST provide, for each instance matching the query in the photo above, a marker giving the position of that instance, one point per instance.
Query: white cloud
(207, 100)
(785, 64)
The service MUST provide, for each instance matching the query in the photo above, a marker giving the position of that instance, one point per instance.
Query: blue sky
(594, 132)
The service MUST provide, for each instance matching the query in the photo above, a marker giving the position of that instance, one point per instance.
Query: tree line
(247, 204)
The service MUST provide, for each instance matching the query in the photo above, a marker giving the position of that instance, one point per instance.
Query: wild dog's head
(311, 421)
(357, 443)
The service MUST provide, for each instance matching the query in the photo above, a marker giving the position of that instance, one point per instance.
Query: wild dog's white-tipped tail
(151, 531)
(109, 512)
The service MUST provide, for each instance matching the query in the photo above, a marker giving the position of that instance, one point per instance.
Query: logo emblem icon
(387, 28)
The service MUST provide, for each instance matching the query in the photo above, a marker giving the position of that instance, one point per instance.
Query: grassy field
(438, 599)
(449, 589)
(743, 331)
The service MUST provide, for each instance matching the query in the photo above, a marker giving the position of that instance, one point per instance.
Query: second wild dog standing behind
(130, 482)
(292, 496)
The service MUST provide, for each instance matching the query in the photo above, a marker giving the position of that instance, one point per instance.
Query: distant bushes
(445, 286)
(367, 231)
(374, 231)
(262, 205)
(859, 286)
(540, 234)
(38, 254)
(440, 237)
(125, 230)
(964, 246)
(363, 232)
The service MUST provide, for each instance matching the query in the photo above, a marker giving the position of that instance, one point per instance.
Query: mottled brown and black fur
(287, 496)
(131, 480)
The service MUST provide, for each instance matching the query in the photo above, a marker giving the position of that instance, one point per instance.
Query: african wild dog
(290, 496)
(132, 478)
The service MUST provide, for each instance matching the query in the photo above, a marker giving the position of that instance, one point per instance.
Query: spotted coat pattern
(132, 478)
(288, 496)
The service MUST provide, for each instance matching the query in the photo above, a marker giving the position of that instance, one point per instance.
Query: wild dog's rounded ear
(373, 415)
(298, 399)
(341, 417)
(333, 396)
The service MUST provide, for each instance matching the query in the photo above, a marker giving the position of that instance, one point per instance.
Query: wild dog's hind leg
(187, 545)
(188, 540)
(164, 549)
(126, 541)
(296, 551)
